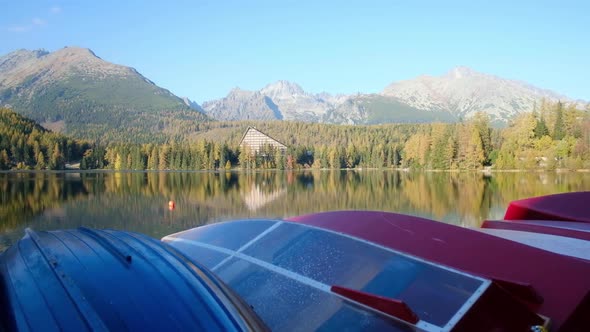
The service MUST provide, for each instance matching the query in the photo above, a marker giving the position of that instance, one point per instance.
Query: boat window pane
(434, 293)
(286, 304)
(229, 235)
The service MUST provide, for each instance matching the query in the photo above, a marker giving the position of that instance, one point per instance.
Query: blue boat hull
(77, 280)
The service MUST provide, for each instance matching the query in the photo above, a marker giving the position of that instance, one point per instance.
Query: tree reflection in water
(138, 201)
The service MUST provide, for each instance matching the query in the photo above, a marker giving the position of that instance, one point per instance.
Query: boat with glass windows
(343, 270)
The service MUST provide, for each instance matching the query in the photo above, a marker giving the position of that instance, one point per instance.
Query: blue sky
(202, 49)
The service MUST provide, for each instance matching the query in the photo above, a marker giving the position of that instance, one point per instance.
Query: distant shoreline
(240, 170)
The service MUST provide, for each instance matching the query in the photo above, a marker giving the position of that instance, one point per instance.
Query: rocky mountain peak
(17, 58)
(43, 67)
(193, 105)
(282, 88)
(461, 72)
(459, 93)
(237, 93)
(74, 51)
(23, 53)
(463, 92)
(282, 100)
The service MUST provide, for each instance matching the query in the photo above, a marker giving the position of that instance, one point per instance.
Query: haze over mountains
(281, 100)
(74, 91)
(460, 93)
(463, 92)
(285, 100)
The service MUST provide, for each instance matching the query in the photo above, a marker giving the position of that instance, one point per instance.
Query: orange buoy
(171, 205)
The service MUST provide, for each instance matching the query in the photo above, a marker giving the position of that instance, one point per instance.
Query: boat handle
(392, 307)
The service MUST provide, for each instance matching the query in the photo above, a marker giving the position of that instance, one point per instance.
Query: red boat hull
(573, 206)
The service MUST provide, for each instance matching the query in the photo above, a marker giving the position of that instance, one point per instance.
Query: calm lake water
(139, 201)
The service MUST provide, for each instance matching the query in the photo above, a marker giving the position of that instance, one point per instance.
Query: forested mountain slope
(24, 144)
(73, 91)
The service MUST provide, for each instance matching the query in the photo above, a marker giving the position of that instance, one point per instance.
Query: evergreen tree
(56, 161)
(279, 159)
(153, 159)
(351, 156)
(541, 128)
(439, 158)
(40, 161)
(163, 157)
(16, 153)
(558, 129)
(186, 159)
(395, 158)
(196, 162)
(482, 123)
(475, 156)
(98, 154)
(129, 162)
(324, 157)
(4, 160)
(203, 152)
(176, 157)
(246, 158)
(450, 152)
(213, 156)
(137, 160)
(84, 163)
(28, 156)
(223, 156)
(334, 158)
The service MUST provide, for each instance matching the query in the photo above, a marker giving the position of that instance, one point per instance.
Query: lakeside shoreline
(241, 170)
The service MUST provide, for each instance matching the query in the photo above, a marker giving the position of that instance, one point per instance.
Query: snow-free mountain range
(459, 94)
(75, 88)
